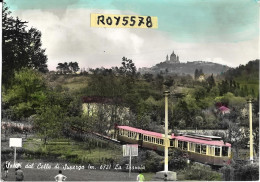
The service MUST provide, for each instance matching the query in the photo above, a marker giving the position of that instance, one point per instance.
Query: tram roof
(200, 141)
(205, 137)
(145, 132)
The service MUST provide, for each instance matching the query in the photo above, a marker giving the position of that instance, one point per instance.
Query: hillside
(246, 75)
(185, 68)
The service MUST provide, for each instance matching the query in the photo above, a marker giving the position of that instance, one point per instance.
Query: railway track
(84, 135)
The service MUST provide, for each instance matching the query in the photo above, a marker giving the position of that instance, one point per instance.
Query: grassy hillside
(246, 75)
(71, 82)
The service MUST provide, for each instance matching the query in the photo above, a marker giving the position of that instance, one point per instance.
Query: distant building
(173, 58)
(224, 110)
(201, 78)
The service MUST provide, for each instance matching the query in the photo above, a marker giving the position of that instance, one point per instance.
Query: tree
(66, 68)
(196, 74)
(169, 82)
(74, 67)
(21, 47)
(48, 122)
(148, 77)
(237, 137)
(26, 94)
(211, 82)
(128, 68)
(199, 93)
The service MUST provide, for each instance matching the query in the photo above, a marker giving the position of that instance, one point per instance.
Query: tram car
(204, 149)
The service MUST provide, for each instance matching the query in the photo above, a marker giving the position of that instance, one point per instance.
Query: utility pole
(170, 175)
(251, 131)
(166, 94)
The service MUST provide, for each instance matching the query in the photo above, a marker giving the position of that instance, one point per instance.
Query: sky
(220, 31)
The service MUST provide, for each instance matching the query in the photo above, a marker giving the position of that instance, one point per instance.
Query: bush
(177, 160)
(153, 162)
(202, 172)
(240, 172)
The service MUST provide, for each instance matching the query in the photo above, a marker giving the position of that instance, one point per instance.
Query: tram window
(217, 151)
(203, 149)
(211, 150)
(180, 144)
(192, 147)
(224, 151)
(197, 148)
(171, 143)
(161, 141)
(157, 140)
(149, 139)
(185, 145)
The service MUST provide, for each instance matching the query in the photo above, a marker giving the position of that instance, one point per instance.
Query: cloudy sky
(221, 31)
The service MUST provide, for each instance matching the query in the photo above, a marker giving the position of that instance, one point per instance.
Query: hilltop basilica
(173, 58)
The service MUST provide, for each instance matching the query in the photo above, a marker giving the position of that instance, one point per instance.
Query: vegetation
(22, 47)
(66, 150)
(203, 173)
(66, 68)
(121, 95)
(240, 172)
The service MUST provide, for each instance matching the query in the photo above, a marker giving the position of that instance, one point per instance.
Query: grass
(74, 151)
(72, 82)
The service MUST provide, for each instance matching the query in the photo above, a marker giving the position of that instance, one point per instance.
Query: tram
(201, 148)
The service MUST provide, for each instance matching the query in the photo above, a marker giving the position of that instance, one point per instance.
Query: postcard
(127, 90)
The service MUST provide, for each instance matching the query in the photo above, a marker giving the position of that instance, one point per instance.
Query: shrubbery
(202, 172)
(240, 172)
(177, 160)
(153, 162)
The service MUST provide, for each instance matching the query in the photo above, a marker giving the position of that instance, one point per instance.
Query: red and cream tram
(205, 149)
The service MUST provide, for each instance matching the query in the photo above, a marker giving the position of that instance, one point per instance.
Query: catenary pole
(251, 131)
(166, 94)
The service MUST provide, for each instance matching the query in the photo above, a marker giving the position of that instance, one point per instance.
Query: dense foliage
(22, 47)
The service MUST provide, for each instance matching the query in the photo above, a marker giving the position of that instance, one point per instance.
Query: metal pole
(130, 158)
(1, 11)
(166, 93)
(14, 155)
(251, 131)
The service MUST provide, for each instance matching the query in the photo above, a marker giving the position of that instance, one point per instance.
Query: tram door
(140, 141)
